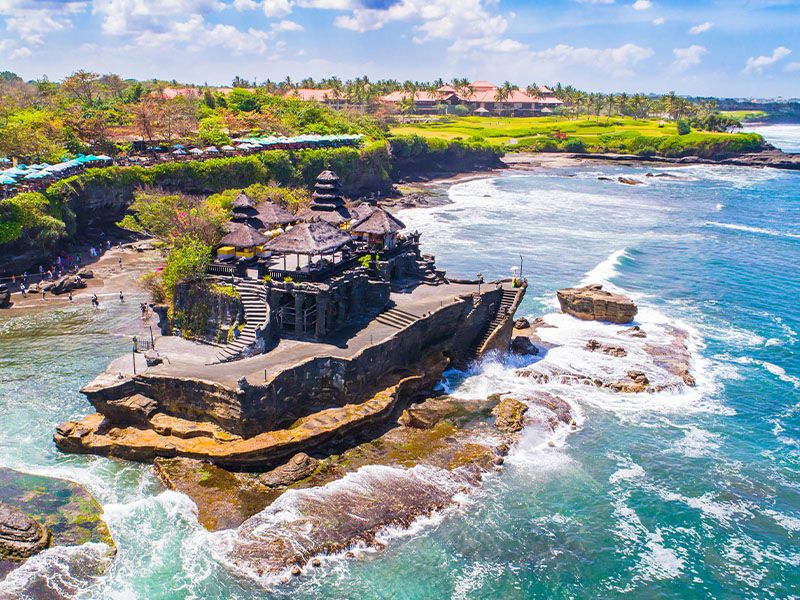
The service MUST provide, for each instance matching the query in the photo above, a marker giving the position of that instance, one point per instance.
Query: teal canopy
(5, 180)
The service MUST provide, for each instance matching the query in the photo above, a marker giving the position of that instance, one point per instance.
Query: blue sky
(720, 47)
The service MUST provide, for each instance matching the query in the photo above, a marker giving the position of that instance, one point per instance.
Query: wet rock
(67, 284)
(521, 323)
(224, 499)
(300, 466)
(524, 345)
(144, 247)
(630, 181)
(634, 332)
(510, 415)
(133, 410)
(595, 346)
(20, 536)
(592, 303)
(418, 419)
(86, 274)
(5, 296)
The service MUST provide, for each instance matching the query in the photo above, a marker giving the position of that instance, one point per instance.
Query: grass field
(617, 134)
(746, 115)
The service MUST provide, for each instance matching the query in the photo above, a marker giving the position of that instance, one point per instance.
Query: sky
(732, 48)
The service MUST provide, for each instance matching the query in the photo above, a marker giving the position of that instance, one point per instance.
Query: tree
(186, 262)
(33, 133)
(504, 92)
(83, 86)
(170, 217)
(212, 131)
(9, 76)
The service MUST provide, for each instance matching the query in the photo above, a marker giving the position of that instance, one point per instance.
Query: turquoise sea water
(692, 494)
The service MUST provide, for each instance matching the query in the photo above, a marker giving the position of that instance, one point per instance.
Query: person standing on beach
(95, 301)
(120, 262)
(22, 290)
(121, 297)
(43, 295)
(70, 296)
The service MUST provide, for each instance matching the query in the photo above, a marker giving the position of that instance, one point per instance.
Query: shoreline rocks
(20, 535)
(592, 303)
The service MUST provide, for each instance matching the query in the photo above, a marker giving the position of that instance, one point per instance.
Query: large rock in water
(592, 303)
(20, 536)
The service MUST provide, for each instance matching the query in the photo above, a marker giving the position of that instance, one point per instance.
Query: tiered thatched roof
(327, 201)
(273, 215)
(242, 235)
(378, 222)
(315, 237)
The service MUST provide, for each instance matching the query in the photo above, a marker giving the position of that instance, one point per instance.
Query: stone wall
(203, 313)
(314, 384)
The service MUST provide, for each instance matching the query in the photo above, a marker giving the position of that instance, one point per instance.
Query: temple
(308, 329)
(320, 269)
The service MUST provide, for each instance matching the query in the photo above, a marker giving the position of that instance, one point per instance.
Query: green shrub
(574, 145)
(683, 127)
(187, 261)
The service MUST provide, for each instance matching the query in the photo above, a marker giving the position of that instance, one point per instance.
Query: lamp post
(480, 281)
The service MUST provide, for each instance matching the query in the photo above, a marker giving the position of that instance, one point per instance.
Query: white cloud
(642, 5)
(701, 28)
(595, 1)
(469, 23)
(31, 20)
(756, 64)
(688, 57)
(792, 67)
(286, 25)
(277, 8)
(659, 21)
(618, 62)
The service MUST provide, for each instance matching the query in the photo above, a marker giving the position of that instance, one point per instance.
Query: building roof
(314, 237)
(272, 214)
(482, 92)
(378, 222)
(243, 201)
(440, 95)
(243, 235)
(334, 215)
(309, 94)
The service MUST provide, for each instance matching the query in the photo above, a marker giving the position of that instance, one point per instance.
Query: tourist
(108, 244)
(22, 290)
(143, 308)
(95, 301)
(120, 262)
(121, 297)
(69, 297)
(43, 295)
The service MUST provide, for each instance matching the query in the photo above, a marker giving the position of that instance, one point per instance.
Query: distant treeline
(42, 221)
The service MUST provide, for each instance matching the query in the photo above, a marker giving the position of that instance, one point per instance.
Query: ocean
(690, 493)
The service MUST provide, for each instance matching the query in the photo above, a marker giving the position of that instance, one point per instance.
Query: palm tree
(504, 92)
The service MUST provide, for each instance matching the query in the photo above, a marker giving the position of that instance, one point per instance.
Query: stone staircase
(256, 313)
(430, 275)
(474, 352)
(397, 318)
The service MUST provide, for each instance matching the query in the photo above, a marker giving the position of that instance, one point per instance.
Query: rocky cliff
(592, 303)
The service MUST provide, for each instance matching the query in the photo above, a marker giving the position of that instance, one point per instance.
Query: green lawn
(746, 115)
(617, 134)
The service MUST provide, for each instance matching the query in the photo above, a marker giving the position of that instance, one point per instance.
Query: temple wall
(317, 383)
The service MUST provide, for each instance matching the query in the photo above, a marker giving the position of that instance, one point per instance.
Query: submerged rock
(630, 181)
(634, 332)
(521, 323)
(592, 303)
(594, 346)
(20, 536)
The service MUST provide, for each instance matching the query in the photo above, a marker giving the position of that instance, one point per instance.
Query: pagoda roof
(273, 214)
(378, 222)
(243, 235)
(314, 237)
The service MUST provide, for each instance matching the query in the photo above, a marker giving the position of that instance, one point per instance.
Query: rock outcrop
(592, 303)
(510, 415)
(300, 466)
(20, 536)
(524, 345)
(594, 346)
